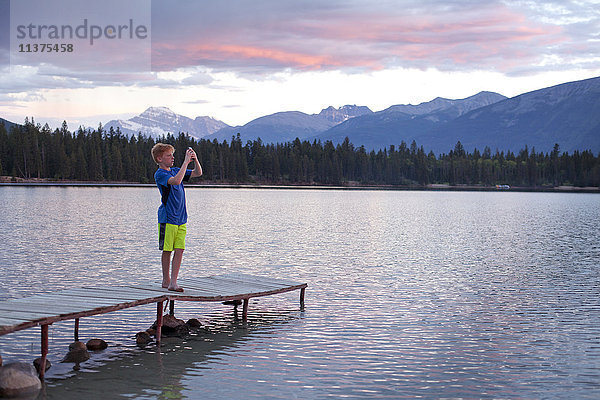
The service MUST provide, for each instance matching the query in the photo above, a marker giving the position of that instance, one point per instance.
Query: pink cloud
(480, 36)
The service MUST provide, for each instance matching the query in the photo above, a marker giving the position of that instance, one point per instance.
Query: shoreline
(353, 186)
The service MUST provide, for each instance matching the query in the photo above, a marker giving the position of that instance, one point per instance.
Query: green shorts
(171, 237)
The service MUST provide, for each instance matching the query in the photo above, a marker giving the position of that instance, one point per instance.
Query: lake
(410, 293)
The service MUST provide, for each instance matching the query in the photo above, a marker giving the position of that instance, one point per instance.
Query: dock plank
(50, 302)
(216, 290)
(224, 285)
(19, 317)
(104, 294)
(265, 279)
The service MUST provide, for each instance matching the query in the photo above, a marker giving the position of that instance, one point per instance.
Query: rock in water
(77, 346)
(18, 379)
(193, 323)
(172, 326)
(37, 363)
(96, 344)
(142, 338)
(170, 321)
(77, 353)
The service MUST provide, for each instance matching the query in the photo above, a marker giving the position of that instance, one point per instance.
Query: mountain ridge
(405, 122)
(566, 114)
(158, 121)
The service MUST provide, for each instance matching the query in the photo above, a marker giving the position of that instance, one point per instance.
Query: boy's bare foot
(175, 288)
(165, 285)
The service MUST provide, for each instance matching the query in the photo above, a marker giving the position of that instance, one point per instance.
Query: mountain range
(567, 114)
(158, 121)
(405, 122)
(289, 125)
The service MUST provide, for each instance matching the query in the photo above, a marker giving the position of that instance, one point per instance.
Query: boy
(172, 213)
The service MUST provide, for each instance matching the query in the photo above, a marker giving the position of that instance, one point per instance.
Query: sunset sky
(238, 60)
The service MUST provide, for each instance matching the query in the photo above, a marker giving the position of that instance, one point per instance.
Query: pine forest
(32, 151)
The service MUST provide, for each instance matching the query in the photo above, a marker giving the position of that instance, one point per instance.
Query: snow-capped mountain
(566, 114)
(158, 121)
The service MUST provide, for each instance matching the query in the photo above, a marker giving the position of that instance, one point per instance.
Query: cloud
(193, 42)
(18, 79)
(349, 35)
(200, 101)
(198, 78)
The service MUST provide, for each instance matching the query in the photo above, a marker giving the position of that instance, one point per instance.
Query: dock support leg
(302, 298)
(44, 351)
(76, 332)
(172, 307)
(159, 321)
(245, 311)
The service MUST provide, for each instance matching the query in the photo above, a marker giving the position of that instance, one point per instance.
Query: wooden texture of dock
(45, 309)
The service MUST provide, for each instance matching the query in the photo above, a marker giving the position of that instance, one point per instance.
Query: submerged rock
(37, 363)
(19, 379)
(96, 344)
(142, 338)
(193, 323)
(77, 353)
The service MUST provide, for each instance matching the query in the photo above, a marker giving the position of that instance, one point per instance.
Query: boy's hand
(189, 156)
(197, 167)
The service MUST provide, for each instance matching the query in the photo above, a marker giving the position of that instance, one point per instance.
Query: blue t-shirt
(172, 209)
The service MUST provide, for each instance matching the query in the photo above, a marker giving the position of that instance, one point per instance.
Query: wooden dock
(45, 309)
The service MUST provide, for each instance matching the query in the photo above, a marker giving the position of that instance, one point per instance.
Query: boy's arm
(197, 171)
(178, 178)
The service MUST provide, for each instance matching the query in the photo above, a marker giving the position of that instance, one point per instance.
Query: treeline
(32, 151)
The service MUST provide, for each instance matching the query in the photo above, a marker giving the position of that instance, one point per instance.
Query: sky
(239, 60)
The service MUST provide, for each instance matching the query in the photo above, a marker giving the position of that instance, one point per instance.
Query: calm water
(411, 294)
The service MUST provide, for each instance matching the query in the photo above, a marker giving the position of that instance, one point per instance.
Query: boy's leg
(166, 263)
(178, 247)
(177, 257)
(166, 237)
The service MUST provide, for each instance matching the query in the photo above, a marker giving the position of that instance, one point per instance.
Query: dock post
(76, 332)
(42, 371)
(159, 321)
(171, 307)
(245, 310)
(302, 298)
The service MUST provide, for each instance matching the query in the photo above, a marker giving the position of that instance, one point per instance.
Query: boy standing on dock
(172, 213)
